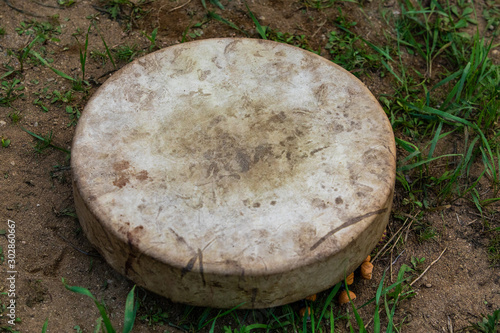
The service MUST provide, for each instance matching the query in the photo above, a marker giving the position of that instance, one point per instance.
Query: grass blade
(376, 316)
(98, 324)
(221, 315)
(260, 29)
(332, 321)
(108, 52)
(223, 20)
(356, 314)
(328, 301)
(45, 324)
(419, 163)
(435, 139)
(217, 3)
(105, 318)
(212, 328)
(45, 140)
(100, 307)
(83, 59)
(390, 70)
(58, 72)
(130, 311)
(442, 114)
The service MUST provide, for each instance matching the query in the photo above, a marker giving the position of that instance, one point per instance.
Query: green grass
(277, 36)
(125, 11)
(15, 117)
(492, 16)
(83, 58)
(346, 52)
(126, 52)
(100, 56)
(465, 101)
(45, 31)
(494, 246)
(74, 114)
(322, 4)
(44, 142)
(428, 109)
(216, 3)
(10, 91)
(108, 50)
(5, 142)
(325, 315)
(151, 38)
(489, 323)
(131, 306)
(66, 3)
(295, 40)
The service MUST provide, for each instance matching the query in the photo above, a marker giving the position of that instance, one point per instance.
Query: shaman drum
(229, 171)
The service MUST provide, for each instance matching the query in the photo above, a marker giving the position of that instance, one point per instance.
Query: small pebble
(428, 285)
(491, 27)
(2, 123)
(12, 163)
(35, 124)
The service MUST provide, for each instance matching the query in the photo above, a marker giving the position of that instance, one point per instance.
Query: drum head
(229, 171)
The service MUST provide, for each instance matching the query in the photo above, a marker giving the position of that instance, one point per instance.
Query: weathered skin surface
(233, 170)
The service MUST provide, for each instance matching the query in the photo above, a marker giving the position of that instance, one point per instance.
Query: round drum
(230, 171)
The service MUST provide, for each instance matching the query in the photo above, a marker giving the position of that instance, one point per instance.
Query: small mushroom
(350, 279)
(366, 270)
(344, 298)
(311, 298)
(302, 312)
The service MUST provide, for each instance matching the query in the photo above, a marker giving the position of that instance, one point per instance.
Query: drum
(227, 172)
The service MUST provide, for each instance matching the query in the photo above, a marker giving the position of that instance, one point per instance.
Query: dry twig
(425, 271)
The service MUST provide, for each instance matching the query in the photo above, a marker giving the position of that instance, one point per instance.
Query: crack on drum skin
(200, 256)
(318, 150)
(179, 238)
(189, 265)
(133, 240)
(160, 209)
(349, 222)
(199, 92)
(254, 296)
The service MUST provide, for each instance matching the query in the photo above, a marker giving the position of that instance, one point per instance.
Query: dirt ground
(36, 193)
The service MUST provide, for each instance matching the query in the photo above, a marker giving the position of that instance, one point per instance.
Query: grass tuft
(131, 306)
